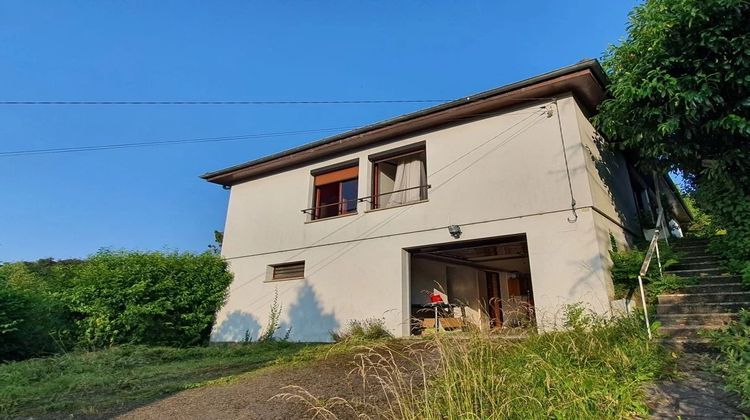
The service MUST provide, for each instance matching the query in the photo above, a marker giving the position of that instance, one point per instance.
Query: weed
(273, 320)
(365, 330)
(595, 369)
(734, 364)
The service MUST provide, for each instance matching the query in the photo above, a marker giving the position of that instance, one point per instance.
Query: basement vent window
(286, 271)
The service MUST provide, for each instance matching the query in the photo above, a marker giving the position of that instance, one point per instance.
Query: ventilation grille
(293, 270)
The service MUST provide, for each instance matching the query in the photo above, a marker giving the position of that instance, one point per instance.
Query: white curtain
(410, 172)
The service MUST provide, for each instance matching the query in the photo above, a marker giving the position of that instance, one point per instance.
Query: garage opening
(483, 284)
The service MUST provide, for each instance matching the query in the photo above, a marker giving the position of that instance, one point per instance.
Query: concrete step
(689, 345)
(685, 247)
(715, 319)
(728, 297)
(699, 265)
(700, 308)
(700, 272)
(691, 240)
(713, 288)
(687, 331)
(721, 278)
(699, 258)
(694, 254)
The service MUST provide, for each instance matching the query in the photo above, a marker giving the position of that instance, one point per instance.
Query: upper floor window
(335, 193)
(399, 178)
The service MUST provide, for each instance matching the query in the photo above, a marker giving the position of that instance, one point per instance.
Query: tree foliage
(680, 87)
(680, 98)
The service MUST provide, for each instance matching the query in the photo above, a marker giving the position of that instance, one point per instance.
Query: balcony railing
(371, 198)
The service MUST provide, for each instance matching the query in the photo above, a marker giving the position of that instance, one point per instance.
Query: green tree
(680, 96)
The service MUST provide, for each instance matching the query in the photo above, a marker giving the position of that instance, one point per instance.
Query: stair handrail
(652, 247)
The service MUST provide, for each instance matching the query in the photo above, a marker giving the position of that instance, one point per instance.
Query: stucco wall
(501, 175)
(612, 194)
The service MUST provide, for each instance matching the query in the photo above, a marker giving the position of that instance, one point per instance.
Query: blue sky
(70, 205)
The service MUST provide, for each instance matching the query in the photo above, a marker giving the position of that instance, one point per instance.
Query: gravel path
(696, 394)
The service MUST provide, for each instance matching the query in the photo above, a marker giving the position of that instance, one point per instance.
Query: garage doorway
(482, 283)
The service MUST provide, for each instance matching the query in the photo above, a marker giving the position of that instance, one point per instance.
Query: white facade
(503, 174)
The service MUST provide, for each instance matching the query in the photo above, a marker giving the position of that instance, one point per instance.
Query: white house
(501, 203)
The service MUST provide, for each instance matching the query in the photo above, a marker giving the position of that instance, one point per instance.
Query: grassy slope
(596, 370)
(97, 382)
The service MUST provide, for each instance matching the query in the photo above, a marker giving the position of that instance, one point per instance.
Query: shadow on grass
(110, 382)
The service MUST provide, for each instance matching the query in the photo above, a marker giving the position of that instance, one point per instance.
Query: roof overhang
(585, 80)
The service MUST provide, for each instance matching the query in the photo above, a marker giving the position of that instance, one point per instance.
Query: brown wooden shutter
(337, 176)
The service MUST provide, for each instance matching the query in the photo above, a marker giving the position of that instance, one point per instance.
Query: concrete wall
(616, 214)
(500, 175)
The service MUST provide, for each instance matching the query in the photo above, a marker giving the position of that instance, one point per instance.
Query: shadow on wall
(307, 317)
(613, 172)
(235, 327)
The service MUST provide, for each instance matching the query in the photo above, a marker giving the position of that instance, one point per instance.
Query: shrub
(147, 298)
(701, 226)
(365, 330)
(729, 208)
(734, 344)
(32, 321)
(626, 265)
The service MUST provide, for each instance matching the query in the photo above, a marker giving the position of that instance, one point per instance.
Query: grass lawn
(90, 383)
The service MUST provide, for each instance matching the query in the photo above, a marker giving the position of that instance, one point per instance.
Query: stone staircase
(710, 304)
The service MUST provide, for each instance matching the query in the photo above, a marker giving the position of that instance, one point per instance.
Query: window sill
(400, 205)
(332, 217)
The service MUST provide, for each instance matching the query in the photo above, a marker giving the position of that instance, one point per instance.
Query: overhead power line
(73, 149)
(332, 102)
(165, 142)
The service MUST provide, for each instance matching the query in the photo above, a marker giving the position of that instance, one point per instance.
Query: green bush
(366, 330)
(701, 226)
(729, 208)
(734, 344)
(626, 265)
(32, 321)
(147, 298)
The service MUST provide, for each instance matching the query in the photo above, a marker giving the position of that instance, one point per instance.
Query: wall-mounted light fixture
(455, 231)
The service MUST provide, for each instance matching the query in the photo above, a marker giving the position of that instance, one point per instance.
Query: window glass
(400, 179)
(349, 195)
(335, 193)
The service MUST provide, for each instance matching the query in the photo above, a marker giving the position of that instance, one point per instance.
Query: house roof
(585, 79)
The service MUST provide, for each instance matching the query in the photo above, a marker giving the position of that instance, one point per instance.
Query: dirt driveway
(257, 395)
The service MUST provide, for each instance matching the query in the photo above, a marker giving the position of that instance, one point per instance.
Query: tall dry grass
(595, 369)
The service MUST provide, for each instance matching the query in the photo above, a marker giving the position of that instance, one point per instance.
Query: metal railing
(653, 247)
(373, 198)
(314, 210)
